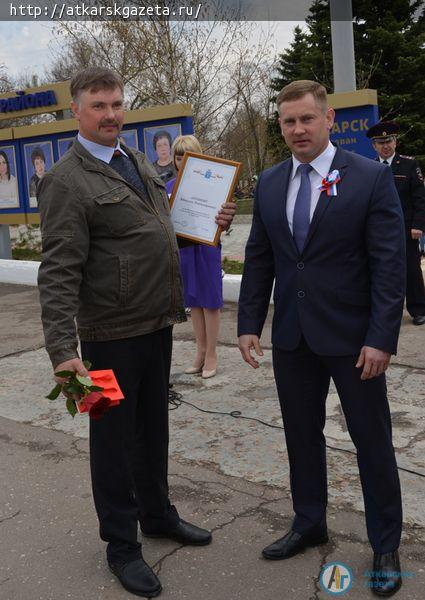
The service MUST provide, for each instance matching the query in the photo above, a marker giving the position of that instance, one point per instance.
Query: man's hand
(225, 215)
(246, 344)
(75, 364)
(416, 234)
(374, 362)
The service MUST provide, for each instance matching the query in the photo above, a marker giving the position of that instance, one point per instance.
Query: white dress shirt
(389, 160)
(104, 153)
(321, 167)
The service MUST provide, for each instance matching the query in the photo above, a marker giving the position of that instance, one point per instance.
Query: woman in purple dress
(202, 282)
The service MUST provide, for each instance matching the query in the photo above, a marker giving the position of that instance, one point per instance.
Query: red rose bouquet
(82, 394)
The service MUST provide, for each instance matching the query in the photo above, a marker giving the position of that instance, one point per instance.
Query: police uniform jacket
(410, 186)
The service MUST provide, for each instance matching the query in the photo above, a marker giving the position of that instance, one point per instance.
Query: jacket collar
(146, 170)
(91, 163)
(104, 153)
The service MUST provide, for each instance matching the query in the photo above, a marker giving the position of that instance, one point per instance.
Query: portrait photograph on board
(38, 160)
(158, 141)
(129, 138)
(64, 144)
(9, 194)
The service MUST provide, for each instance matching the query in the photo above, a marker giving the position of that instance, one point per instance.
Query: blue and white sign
(350, 127)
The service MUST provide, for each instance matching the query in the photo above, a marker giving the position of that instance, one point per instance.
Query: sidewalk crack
(160, 562)
(245, 513)
(10, 516)
(325, 552)
(224, 485)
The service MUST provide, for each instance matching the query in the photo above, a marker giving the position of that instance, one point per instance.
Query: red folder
(106, 380)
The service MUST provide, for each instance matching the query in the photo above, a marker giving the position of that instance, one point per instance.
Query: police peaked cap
(383, 129)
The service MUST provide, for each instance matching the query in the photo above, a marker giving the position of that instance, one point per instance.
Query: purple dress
(201, 272)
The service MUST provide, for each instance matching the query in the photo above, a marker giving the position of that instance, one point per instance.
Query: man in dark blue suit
(328, 228)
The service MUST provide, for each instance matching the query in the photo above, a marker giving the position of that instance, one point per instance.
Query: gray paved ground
(227, 474)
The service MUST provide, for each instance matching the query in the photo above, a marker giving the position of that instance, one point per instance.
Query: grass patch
(244, 206)
(232, 267)
(25, 254)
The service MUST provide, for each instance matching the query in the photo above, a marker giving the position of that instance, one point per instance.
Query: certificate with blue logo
(203, 184)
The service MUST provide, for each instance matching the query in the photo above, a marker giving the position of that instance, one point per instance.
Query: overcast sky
(26, 47)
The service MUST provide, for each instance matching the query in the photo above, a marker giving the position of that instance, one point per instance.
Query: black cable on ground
(175, 399)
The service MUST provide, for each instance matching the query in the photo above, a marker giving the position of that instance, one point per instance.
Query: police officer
(410, 186)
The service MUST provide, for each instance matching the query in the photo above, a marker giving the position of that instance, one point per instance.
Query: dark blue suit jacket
(347, 287)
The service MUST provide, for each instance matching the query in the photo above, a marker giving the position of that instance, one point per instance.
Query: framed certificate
(203, 184)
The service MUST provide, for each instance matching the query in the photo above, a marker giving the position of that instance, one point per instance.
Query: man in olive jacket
(111, 261)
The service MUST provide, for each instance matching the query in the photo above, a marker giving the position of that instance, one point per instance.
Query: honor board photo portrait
(38, 160)
(9, 194)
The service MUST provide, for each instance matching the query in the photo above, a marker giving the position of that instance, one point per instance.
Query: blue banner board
(350, 127)
(24, 161)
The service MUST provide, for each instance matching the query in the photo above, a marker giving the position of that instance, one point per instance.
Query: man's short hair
(297, 89)
(94, 79)
(37, 153)
(161, 134)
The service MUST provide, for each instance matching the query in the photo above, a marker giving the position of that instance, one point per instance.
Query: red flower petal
(96, 404)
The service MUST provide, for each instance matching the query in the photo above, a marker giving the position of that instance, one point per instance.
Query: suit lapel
(339, 162)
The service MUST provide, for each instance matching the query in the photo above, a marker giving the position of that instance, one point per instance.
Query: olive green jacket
(110, 257)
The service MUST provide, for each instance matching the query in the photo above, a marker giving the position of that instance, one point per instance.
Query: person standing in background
(202, 282)
(409, 182)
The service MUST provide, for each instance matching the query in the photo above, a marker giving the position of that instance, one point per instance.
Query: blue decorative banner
(350, 127)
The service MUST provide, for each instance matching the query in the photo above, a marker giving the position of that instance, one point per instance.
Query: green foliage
(244, 206)
(25, 254)
(28, 244)
(55, 392)
(232, 267)
(70, 405)
(74, 386)
(389, 40)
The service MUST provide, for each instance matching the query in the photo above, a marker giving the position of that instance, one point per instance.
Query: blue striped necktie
(301, 219)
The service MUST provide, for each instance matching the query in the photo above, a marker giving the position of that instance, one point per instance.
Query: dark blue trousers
(302, 379)
(129, 444)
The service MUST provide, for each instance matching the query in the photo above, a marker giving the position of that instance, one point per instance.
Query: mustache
(109, 123)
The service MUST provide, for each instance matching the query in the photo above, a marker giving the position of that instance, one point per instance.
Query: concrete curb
(25, 272)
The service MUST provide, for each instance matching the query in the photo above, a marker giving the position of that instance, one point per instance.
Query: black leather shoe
(386, 575)
(293, 543)
(137, 578)
(419, 320)
(183, 533)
